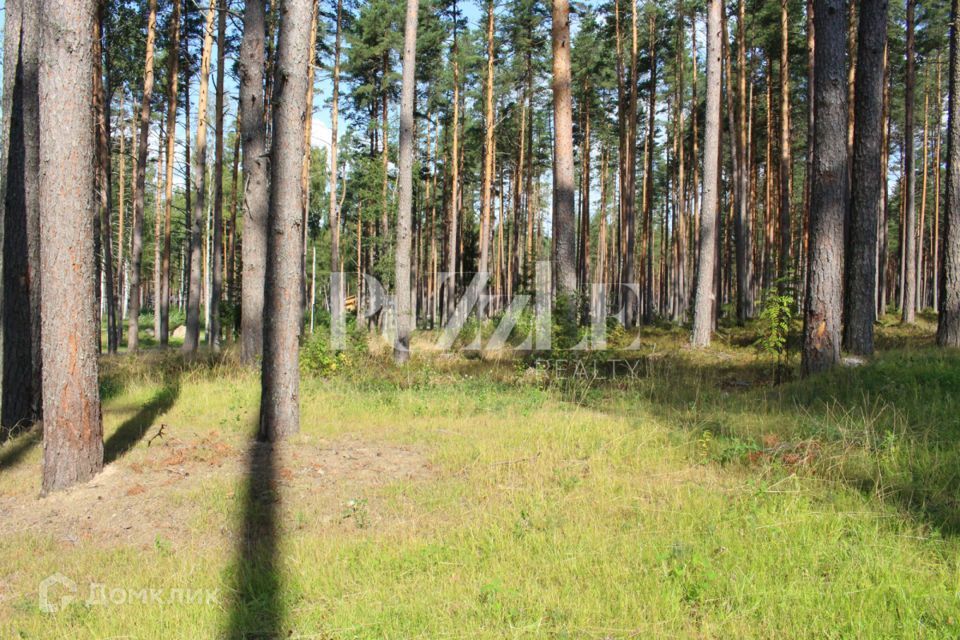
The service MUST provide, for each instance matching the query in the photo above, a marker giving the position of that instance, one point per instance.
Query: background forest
(295, 295)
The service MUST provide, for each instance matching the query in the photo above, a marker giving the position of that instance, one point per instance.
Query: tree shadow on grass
(889, 428)
(135, 427)
(15, 447)
(256, 610)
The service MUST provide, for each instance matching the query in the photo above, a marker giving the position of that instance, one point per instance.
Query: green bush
(317, 355)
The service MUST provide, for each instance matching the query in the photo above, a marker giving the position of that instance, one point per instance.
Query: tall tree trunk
(883, 279)
(192, 337)
(742, 231)
(618, 242)
(649, 147)
(948, 326)
(188, 188)
(600, 273)
(564, 221)
(384, 157)
(694, 134)
(173, 57)
(769, 258)
(216, 289)
(256, 178)
(450, 266)
(680, 231)
(866, 187)
(136, 253)
(163, 135)
(336, 291)
(629, 296)
(935, 230)
(104, 178)
(279, 404)
(786, 154)
(705, 292)
(305, 164)
(852, 10)
(134, 159)
(401, 348)
(583, 242)
(909, 232)
(232, 238)
(22, 396)
(922, 223)
(514, 279)
(724, 237)
(828, 188)
(804, 239)
(72, 426)
(486, 193)
(121, 216)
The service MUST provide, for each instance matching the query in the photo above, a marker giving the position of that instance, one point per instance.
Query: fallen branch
(158, 434)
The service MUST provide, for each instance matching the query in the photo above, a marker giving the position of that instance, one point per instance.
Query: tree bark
(72, 428)
(948, 326)
(786, 155)
(136, 253)
(909, 233)
(121, 217)
(216, 289)
(628, 272)
(650, 147)
(695, 142)
(232, 238)
(450, 265)
(163, 135)
(187, 187)
(705, 292)
(104, 179)
(828, 188)
(173, 57)
(935, 230)
(563, 197)
(256, 177)
(279, 404)
(337, 291)
(883, 279)
(486, 193)
(22, 396)
(583, 240)
(866, 187)
(192, 337)
(401, 348)
(742, 230)
(305, 164)
(921, 225)
(804, 239)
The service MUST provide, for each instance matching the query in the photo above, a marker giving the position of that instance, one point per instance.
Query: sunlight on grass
(660, 505)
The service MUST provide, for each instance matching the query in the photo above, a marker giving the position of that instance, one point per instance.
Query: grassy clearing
(683, 495)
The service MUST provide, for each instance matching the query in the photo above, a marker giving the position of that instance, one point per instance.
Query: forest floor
(663, 492)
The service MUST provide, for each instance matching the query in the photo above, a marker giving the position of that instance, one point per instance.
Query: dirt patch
(159, 491)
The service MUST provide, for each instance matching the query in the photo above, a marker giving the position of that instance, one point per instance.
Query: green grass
(693, 498)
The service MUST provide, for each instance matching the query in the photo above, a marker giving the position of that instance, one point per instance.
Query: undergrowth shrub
(317, 355)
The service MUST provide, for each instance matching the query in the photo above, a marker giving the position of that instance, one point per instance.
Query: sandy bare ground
(165, 489)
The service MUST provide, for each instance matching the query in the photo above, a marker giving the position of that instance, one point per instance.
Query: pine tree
(22, 396)
(821, 343)
(279, 404)
(72, 427)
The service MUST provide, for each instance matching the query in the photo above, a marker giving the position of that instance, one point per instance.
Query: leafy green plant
(776, 321)
(317, 355)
